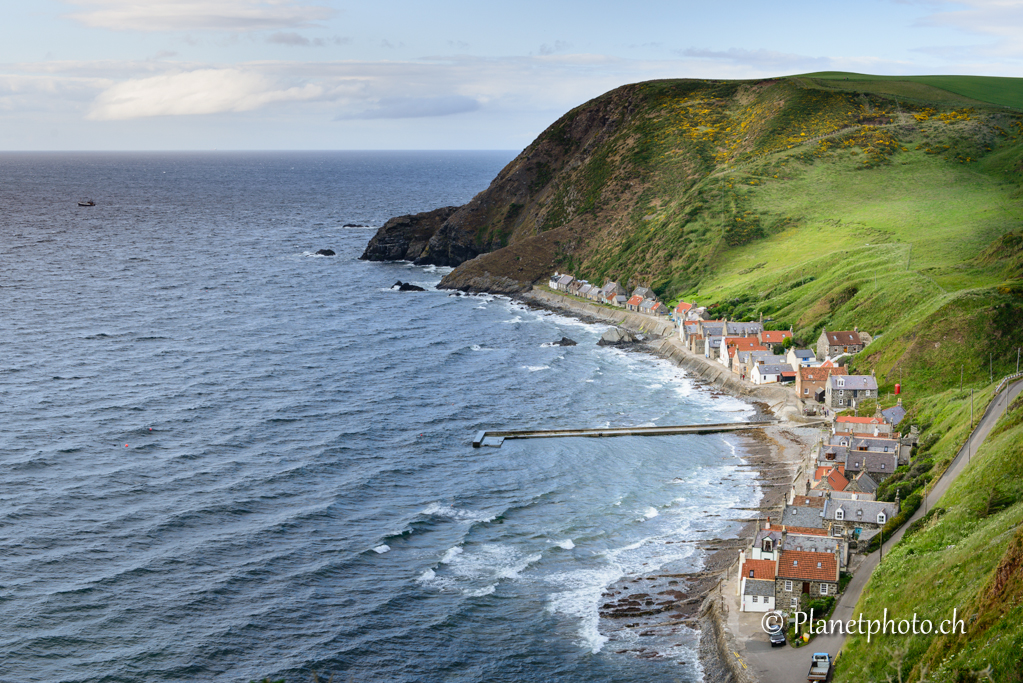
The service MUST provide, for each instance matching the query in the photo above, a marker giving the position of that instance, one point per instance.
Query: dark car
(777, 637)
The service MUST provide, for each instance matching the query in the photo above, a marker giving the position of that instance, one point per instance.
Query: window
(839, 514)
(818, 565)
(824, 589)
(795, 603)
(867, 392)
(859, 513)
(841, 382)
(882, 465)
(795, 563)
(881, 518)
(788, 585)
(806, 391)
(841, 392)
(756, 598)
(841, 402)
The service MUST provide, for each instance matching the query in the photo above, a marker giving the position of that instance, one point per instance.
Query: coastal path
(783, 665)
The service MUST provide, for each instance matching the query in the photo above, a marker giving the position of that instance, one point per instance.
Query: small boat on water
(86, 202)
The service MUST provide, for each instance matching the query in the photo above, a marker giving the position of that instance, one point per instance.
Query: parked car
(777, 637)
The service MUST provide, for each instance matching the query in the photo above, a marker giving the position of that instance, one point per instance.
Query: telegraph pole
(969, 442)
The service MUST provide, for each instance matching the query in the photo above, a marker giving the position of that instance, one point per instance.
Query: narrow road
(784, 665)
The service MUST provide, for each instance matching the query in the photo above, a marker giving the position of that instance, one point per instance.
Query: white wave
(451, 554)
(566, 544)
(449, 512)
(655, 386)
(381, 549)
(589, 380)
(536, 368)
(480, 592)
(516, 319)
(426, 576)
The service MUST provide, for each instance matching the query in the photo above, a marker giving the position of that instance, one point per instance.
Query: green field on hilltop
(1007, 92)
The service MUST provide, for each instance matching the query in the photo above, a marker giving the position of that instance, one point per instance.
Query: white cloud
(415, 108)
(198, 15)
(1002, 18)
(202, 91)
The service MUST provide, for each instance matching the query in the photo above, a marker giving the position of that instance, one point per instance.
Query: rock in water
(615, 337)
(405, 238)
(565, 341)
(407, 287)
(326, 252)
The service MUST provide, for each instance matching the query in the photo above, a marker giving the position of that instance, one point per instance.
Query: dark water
(223, 457)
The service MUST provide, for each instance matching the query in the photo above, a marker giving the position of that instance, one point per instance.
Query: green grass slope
(966, 556)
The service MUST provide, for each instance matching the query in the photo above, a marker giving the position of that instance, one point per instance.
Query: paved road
(785, 665)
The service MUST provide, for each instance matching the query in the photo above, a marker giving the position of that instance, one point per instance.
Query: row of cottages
(785, 564)
(611, 293)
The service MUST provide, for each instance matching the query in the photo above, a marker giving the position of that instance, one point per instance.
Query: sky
(450, 74)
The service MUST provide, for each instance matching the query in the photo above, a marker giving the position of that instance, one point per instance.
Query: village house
(830, 479)
(773, 337)
(730, 345)
(861, 425)
(894, 415)
(831, 344)
(563, 282)
(858, 519)
(815, 543)
(804, 575)
(644, 292)
(844, 391)
(634, 303)
(802, 517)
(756, 585)
(811, 382)
(764, 373)
(801, 358)
(736, 329)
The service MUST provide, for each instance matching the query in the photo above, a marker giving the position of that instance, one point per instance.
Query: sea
(224, 458)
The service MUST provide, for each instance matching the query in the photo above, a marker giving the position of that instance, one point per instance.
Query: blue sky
(452, 74)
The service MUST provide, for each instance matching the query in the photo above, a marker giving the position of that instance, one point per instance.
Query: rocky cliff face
(405, 238)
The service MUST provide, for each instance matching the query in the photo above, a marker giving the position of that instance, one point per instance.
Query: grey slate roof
(859, 443)
(852, 508)
(766, 369)
(839, 458)
(773, 534)
(853, 382)
(869, 461)
(804, 354)
(866, 483)
(813, 544)
(894, 414)
(804, 517)
(744, 329)
(759, 587)
(852, 495)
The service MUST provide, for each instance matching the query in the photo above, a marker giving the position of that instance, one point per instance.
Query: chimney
(767, 524)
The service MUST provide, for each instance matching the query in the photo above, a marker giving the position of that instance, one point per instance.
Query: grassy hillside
(967, 555)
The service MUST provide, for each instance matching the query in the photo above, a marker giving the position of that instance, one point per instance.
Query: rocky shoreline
(655, 607)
